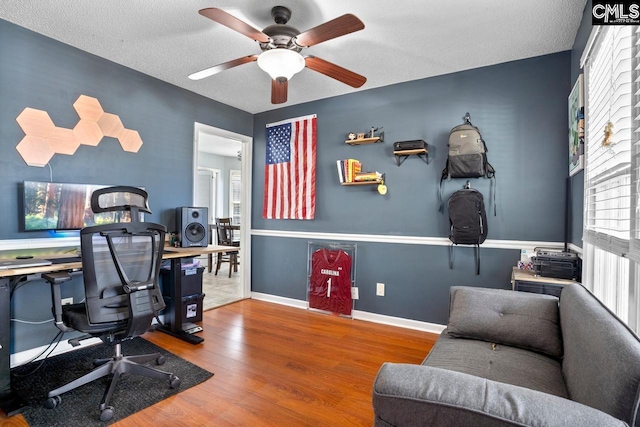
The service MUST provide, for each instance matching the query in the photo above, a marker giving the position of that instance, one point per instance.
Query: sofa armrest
(419, 395)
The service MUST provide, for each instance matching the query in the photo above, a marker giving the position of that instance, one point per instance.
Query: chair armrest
(418, 395)
(56, 279)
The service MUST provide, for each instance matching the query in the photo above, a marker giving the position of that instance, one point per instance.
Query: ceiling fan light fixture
(281, 63)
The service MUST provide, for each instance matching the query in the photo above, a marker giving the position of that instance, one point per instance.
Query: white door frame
(246, 168)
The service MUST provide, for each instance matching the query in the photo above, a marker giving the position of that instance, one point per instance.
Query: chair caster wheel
(106, 414)
(160, 360)
(174, 382)
(52, 402)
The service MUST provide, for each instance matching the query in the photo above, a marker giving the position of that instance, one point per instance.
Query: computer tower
(192, 226)
(183, 294)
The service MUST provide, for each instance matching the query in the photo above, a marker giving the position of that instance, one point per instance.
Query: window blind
(608, 168)
(634, 250)
(612, 187)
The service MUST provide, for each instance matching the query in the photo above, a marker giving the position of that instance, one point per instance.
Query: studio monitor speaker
(192, 226)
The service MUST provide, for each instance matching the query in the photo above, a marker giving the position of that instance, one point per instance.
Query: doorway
(208, 191)
(222, 182)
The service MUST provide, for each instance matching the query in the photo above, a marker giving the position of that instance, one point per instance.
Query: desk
(527, 281)
(173, 323)
(10, 403)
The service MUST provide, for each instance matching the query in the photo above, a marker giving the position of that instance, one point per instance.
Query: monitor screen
(63, 206)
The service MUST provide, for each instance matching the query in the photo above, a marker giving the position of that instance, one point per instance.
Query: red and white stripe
(290, 188)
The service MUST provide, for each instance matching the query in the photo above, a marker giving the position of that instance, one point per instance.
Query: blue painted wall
(41, 73)
(520, 108)
(577, 181)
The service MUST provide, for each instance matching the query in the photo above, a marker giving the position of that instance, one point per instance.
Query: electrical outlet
(67, 301)
(354, 293)
(380, 289)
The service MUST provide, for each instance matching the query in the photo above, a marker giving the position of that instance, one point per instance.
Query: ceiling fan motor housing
(281, 14)
(280, 33)
(281, 37)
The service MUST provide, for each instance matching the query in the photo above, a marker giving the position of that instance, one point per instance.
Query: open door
(220, 150)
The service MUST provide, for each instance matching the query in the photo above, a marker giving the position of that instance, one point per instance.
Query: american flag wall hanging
(290, 170)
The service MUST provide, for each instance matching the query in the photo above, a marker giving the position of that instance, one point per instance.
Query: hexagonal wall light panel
(130, 140)
(88, 108)
(35, 122)
(35, 151)
(63, 141)
(111, 125)
(43, 139)
(88, 132)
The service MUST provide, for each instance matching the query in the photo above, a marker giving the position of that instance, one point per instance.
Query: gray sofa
(518, 359)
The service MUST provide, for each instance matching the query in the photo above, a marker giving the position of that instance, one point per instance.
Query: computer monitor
(62, 206)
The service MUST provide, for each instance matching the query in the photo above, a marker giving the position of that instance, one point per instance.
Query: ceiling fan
(281, 45)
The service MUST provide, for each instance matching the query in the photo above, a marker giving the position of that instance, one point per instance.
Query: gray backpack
(467, 156)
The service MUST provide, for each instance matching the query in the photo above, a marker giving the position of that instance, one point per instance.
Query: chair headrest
(120, 198)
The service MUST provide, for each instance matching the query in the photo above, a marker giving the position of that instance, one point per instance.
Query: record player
(559, 265)
(415, 144)
(404, 149)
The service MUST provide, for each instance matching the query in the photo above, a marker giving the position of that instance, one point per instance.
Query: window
(611, 220)
(235, 192)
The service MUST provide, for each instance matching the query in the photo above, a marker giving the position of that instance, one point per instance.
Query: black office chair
(120, 264)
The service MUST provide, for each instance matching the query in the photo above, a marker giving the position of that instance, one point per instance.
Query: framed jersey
(331, 275)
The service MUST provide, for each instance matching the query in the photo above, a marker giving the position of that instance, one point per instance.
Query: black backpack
(467, 156)
(468, 221)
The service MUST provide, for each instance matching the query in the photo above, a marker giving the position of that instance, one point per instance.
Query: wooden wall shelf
(362, 141)
(401, 156)
(377, 181)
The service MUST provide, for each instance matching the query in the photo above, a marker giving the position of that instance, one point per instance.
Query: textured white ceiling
(402, 40)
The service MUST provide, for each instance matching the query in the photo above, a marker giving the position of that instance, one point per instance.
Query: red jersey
(330, 281)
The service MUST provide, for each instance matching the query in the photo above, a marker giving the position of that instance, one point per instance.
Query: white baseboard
(23, 357)
(434, 328)
(279, 300)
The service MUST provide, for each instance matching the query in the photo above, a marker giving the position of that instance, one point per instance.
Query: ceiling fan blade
(334, 71)
(279, 91)
(222, 17)
(340, 26)
(221, 67)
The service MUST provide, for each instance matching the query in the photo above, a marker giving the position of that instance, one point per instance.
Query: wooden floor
(279, 366)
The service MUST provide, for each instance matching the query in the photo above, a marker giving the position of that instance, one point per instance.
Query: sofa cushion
(519, 319)
(414, 395)
(601, 356)
(500, 363)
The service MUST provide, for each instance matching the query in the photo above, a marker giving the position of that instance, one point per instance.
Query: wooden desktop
(10, 403)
